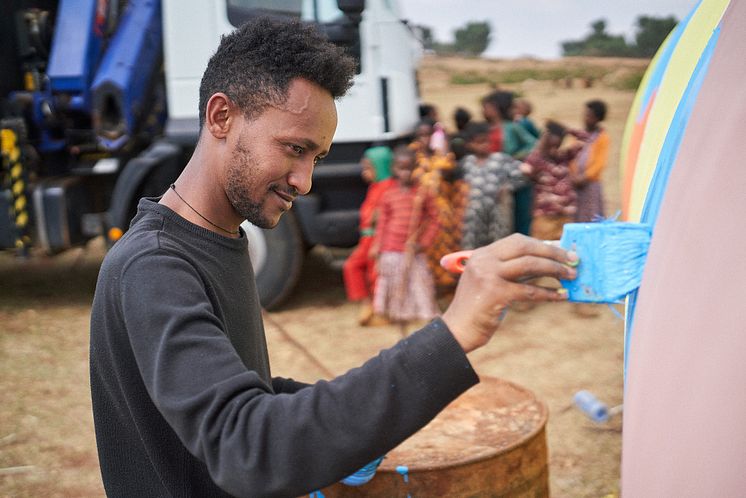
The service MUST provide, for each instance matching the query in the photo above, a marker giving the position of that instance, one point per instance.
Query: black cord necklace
(173, 187)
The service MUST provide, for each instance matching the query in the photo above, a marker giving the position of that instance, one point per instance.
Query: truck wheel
(277, 257)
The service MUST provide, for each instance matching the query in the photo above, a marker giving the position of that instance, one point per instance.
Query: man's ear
(219, 115)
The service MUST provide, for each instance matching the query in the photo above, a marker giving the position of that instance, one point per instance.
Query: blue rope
(363, 475)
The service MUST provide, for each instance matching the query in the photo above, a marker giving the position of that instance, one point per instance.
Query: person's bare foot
(366, 314)
(378, 321)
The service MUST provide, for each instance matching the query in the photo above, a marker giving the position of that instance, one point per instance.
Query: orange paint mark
(633, 152)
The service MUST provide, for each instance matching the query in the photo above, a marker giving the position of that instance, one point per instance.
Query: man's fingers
(518, 245)
(530, 292)
(525, 267)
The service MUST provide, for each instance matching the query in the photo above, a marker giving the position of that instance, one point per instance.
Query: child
(516, 142)
(492, 178)
(554, 195)
(435, 174)
(462, 118)
(407, 224)
(491, 113)
(422, 135)
(359, 269)
(590, 163)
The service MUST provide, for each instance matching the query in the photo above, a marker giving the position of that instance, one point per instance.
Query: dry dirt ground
(47, 447)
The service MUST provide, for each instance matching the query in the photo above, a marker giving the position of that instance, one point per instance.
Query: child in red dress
(359, 269)
(407, 224)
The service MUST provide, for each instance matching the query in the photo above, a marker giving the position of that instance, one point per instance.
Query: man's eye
(297, 149)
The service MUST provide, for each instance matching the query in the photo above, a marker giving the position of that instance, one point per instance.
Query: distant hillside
(617, 73)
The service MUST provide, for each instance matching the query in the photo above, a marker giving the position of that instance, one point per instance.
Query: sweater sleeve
(288, 386)
(258, 443)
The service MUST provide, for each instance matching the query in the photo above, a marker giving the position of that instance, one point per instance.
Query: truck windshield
(324, 13)
(320, 11)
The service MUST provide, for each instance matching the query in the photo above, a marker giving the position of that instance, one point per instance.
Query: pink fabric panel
(685, 401)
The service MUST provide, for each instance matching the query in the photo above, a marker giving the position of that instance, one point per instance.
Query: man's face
(273, 155)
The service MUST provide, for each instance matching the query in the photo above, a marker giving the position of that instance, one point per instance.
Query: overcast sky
(536, 27)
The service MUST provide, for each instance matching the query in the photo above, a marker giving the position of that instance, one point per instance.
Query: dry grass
(46, 436)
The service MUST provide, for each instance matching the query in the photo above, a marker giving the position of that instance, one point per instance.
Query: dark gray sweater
(184, 403)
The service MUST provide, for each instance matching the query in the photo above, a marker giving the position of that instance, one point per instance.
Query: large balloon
(684, 170)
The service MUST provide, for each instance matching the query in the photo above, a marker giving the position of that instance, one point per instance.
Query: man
(183, 400)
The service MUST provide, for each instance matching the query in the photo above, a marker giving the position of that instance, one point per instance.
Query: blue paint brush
(612, 257)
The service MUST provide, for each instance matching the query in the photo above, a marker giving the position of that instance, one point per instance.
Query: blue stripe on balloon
(666, 161)
(660, 68)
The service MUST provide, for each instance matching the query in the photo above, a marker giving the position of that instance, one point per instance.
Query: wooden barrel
(491, 441)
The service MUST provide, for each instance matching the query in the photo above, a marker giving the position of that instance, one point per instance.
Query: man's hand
(497, 275)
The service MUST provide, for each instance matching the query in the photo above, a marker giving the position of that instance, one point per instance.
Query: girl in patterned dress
(492, 178)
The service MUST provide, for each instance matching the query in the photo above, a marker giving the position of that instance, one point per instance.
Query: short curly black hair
(503, 102)
(473, 130)
(598, 108)
(255, 64)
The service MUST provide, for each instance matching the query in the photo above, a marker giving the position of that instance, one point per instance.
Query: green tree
(472, 39)
(651, 32)
(598, 43)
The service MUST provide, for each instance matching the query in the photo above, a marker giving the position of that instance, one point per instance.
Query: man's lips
(288, 198)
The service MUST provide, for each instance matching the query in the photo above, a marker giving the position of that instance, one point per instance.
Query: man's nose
(301, 176)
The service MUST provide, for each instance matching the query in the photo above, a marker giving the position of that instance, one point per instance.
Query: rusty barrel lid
(491, 418)
(488, 442)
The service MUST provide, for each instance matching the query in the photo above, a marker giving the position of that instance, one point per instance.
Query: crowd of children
(465, 190)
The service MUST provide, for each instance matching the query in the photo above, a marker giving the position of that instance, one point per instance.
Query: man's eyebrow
(311, 145)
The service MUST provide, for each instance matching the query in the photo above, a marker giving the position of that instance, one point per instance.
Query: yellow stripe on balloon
(678, 73)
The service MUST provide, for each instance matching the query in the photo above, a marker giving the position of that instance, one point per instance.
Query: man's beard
(239, 185)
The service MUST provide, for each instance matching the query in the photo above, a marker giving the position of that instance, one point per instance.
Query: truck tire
(277, 258)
